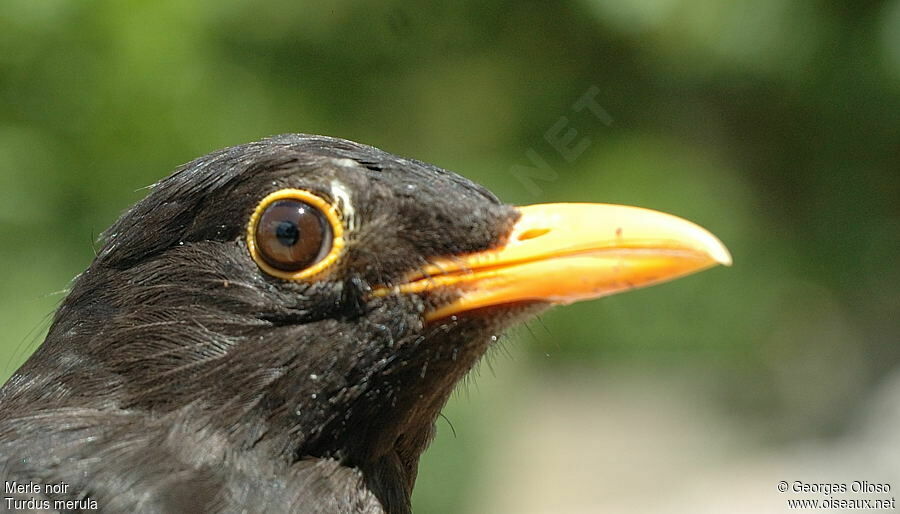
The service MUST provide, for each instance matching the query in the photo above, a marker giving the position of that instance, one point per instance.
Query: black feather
(179, 377)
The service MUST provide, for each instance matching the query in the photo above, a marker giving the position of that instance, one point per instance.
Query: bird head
(305, 297)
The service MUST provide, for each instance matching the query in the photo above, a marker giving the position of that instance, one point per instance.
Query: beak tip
(721, 255)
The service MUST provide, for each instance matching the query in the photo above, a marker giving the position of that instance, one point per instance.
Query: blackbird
(277, 325)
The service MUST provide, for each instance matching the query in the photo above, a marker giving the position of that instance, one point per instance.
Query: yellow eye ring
(283, 200)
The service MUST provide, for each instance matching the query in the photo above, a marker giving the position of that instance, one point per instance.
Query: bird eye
(294, 234)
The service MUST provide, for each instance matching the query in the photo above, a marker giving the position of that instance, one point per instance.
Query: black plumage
(178, 376)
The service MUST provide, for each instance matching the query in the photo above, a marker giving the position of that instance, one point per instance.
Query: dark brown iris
(292, 235)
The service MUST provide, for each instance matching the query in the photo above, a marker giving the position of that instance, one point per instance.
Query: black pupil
(287, 233)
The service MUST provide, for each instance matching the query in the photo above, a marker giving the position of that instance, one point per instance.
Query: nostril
(532, 233)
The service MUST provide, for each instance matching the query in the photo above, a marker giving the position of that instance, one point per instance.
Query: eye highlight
(294, 234)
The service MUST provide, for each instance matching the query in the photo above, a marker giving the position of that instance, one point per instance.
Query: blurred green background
(774, 124)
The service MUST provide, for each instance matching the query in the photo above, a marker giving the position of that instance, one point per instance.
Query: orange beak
(566, 252)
